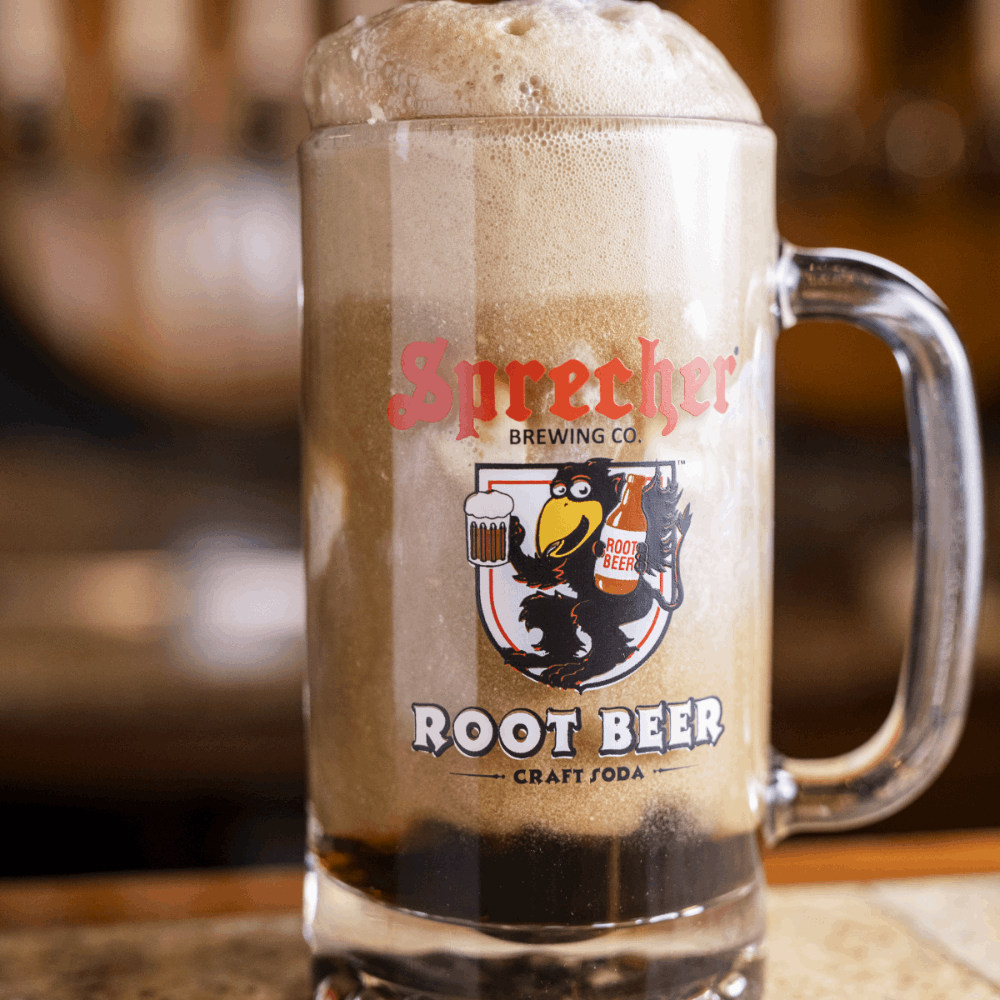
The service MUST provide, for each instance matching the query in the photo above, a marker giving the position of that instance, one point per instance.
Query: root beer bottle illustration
(616, 572)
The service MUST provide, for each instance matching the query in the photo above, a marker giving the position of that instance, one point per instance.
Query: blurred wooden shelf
(861, 859)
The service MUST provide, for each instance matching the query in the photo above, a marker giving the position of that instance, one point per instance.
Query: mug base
(366, 950)
(335, 979)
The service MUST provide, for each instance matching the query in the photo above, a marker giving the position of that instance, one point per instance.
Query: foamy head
(490, 504)
(443, 59)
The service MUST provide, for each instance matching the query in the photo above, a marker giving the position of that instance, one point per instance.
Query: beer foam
(443, 59)
(493, 503)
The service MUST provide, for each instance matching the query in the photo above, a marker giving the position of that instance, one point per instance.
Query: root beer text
(522, 733)
(433, 396)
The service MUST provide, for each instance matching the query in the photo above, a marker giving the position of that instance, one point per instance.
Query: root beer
(617, 570)
(487, 543)
(518, 314)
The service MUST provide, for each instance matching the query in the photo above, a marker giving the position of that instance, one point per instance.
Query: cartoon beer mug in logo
(487, 528)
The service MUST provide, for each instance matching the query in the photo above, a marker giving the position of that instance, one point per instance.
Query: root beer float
(536, 222)
(540, 264)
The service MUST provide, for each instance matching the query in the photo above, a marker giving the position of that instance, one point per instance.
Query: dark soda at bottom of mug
(443, 913)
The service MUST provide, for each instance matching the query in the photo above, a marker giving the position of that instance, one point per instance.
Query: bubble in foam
(443, 59)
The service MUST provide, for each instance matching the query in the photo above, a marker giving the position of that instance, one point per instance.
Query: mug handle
(925, 722)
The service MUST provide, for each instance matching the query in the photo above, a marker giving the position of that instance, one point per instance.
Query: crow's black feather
(659, 504)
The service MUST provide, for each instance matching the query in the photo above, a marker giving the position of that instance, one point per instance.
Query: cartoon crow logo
(581, 635)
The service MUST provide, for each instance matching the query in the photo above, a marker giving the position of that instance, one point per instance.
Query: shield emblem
(506, 495)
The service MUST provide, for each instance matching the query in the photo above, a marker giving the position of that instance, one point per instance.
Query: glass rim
(455, 120)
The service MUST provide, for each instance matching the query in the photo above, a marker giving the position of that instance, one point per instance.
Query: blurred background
(151, 601)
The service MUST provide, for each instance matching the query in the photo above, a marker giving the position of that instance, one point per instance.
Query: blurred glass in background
(151, 595)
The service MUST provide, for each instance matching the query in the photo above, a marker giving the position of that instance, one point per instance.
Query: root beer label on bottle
(624, 531)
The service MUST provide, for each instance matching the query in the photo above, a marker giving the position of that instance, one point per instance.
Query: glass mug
(538, 479)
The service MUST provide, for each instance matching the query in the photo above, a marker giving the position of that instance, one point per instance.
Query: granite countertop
(930, 939)
(926, 938)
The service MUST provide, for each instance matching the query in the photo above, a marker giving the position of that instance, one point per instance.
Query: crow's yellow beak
(565, 524)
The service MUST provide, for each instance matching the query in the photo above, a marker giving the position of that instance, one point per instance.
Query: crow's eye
(580, 490)
(559, 490)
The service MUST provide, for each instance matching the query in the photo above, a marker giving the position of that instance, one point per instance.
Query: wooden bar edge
(862, 859)
(102, 899)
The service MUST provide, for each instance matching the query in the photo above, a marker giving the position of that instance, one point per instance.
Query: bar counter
(900, 918)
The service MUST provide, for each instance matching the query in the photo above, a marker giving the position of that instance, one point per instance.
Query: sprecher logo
(577, 565)
(432, 396)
